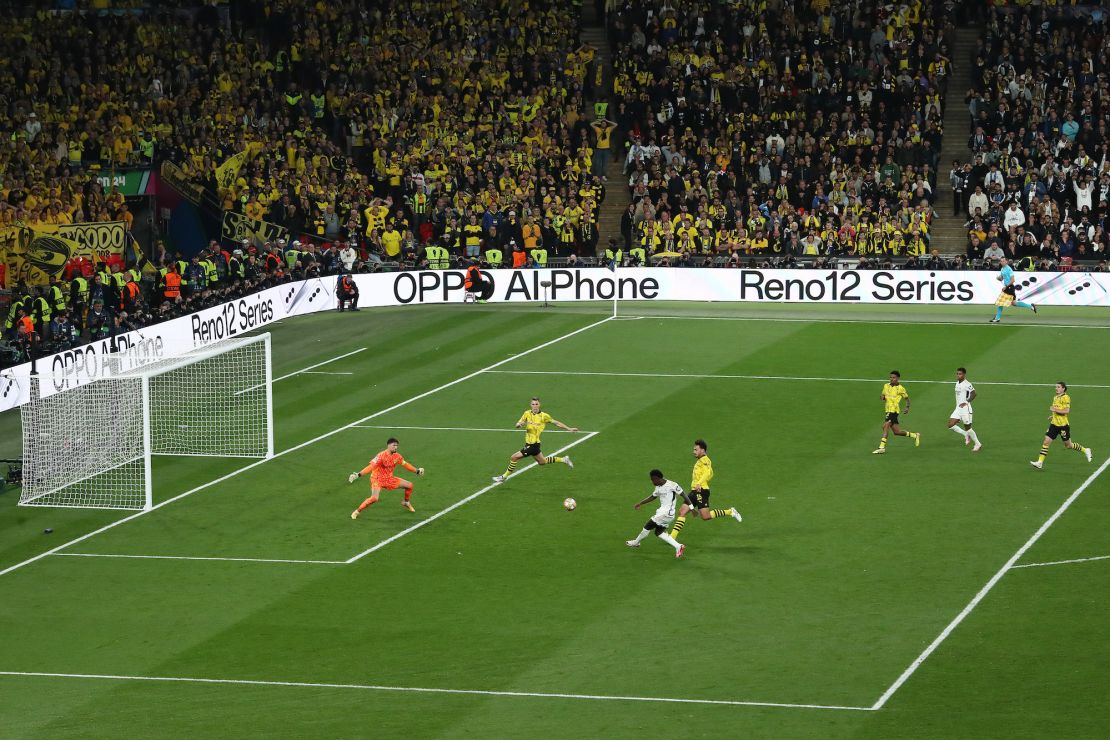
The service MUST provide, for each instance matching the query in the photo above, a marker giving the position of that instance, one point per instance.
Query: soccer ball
(570, 504)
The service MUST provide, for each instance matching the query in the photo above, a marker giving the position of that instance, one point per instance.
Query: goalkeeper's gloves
(352, 477)
(420, 471)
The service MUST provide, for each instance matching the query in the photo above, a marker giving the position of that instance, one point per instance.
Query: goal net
(90, 446)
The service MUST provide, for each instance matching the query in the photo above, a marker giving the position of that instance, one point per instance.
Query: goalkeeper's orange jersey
(384, 462)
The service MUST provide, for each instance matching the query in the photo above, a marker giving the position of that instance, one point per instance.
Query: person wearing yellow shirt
(533, 421)
(892, 396)
(1059, 425)
(391, 242)
(699, 492)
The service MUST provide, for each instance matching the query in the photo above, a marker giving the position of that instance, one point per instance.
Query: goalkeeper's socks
(678, 525)
(409, 491)
(556, 459)
(367, 503)
(509, 470)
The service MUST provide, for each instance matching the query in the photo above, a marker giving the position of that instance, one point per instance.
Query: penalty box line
(461, 502)
(982, 594)
(427, 690)
(301, 445)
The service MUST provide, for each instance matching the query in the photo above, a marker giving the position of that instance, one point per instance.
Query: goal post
(91, 445)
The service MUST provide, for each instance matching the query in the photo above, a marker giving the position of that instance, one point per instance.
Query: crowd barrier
(85, 364)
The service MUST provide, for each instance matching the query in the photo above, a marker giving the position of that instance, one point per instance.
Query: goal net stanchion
(90, 446)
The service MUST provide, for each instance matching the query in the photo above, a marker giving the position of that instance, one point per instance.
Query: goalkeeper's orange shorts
(387, 483)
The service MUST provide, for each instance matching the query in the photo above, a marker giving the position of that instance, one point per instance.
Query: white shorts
(663, 519)
(962, 414)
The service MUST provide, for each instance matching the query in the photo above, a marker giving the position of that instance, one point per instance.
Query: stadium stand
(757, 129)
(1037, 141)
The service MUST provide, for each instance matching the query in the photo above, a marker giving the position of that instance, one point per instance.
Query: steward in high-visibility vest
(172, 289)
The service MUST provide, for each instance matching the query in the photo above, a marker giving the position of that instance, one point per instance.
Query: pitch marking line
(866, 321)
(306, 443)
(768, 377)
(466, 429)
(193, 557)
(1062, 562)
(987, 588)
(460, 502)
(419, 690)
(305, 371)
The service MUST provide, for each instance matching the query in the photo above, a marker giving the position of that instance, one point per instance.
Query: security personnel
(56, 295)
(346, 293)
(115, 283)
(236, 266)
(613, 253)
(41, 311)
(293, 254)
(477, 283)
(130, 295)
(79, 299)
(172, 282)
(20, 302)
(211, 275)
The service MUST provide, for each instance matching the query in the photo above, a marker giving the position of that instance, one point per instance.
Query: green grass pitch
(504, 615)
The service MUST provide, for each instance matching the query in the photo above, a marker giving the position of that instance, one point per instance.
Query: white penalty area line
(425, 690)
(464, 429)
(460, 502)
(306, 371)
(1008, 565)
(983, 323)
(193, 557)
(306, 443)
(1061, 562)
(772, 377)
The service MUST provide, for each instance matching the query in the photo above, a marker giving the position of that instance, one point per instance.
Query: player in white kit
(667, 492)
(962, 414)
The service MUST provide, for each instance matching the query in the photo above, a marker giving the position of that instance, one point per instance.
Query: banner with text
(235, 318)
(236, 227)
(35, 254)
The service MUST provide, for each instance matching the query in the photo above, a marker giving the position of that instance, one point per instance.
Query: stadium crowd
(756, 127)
(1036, 183)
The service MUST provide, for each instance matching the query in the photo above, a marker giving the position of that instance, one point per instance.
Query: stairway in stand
(948, 232)
(616, 185)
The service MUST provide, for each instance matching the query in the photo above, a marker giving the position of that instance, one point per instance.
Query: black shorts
(699, 499)
(891, 416)
(1063, 432)
(530, 450)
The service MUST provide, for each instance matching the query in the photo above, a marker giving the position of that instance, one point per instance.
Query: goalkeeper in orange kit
(381, 475)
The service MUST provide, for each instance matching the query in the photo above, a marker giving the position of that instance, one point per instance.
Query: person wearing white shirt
(347, 257)
(33, 127)
(1084, 194)
(666, 494)
(1013, 218)
(978, 202)
(962, 414)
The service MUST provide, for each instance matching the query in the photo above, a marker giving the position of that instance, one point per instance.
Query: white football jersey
(964, 389)
(668, 495)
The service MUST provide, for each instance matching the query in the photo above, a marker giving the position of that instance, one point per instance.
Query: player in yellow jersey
(533, 422)
(892, 395)
(699, 491)
(1059, 425)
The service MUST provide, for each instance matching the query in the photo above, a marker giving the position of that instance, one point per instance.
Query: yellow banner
(179, 181)
(228, 172)
(35, 254)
